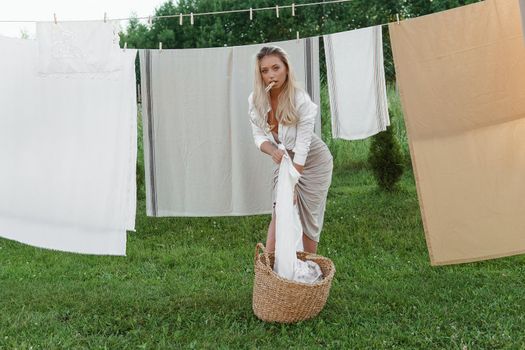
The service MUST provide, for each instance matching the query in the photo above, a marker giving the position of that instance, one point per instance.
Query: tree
(386, 159)
(237, 28)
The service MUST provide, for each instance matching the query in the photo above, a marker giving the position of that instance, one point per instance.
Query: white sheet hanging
(199, 153)
(356, 83)
(78, 47)
(68, 150)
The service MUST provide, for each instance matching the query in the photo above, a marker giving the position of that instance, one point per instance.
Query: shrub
(385, 159)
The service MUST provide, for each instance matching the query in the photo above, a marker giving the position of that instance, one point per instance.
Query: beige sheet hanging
(462, 84)
(522, 9)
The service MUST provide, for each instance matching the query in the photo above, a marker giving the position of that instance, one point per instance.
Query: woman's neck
(274, 94)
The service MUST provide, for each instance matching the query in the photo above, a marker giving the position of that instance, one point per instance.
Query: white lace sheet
(68, 151)
(78, 47)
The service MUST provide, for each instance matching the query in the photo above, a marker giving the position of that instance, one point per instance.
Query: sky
(42, 10)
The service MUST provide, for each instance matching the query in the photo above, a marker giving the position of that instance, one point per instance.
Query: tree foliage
(237, 29)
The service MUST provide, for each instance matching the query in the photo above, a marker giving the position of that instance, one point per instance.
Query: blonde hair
(286, 113)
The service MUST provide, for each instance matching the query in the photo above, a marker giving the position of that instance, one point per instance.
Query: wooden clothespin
(180, 19)
(397, 17)
(160, 46)
(277, 10)
(293, 9)
(297, 34)
(55, 17)
(125, 46)
(149, 20)
(191, 18)
(251, 14)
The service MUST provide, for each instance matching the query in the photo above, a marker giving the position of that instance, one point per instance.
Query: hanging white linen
(356, 83)
(78, 47)
(187, 131)
(198, 148)
(68, 150)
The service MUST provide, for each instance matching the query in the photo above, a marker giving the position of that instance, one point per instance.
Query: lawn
(187, 282)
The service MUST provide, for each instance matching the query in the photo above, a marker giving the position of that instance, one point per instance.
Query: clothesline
(180, 15)
(293, 6)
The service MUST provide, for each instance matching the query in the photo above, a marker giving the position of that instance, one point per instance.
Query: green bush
(386, 159)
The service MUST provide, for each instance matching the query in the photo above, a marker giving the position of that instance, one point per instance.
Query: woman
(286, 114)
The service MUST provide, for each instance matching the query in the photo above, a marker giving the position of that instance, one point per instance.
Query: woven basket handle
(265, 253)
(310, 256)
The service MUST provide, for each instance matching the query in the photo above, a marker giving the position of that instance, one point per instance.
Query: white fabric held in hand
(288, 229)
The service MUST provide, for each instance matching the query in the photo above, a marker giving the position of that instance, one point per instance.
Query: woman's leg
(310, 246)
(270, 238)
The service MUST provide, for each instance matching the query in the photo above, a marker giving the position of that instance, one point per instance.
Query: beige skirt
(312, 188)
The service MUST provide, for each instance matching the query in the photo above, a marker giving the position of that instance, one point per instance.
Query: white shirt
(294, 137)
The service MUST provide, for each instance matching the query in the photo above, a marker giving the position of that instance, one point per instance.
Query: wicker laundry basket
(276, 299)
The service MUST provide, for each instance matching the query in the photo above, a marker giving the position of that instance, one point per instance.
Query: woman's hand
(277, 155)
(299, 168)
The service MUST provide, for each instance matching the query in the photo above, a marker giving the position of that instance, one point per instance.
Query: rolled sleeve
(305, 127)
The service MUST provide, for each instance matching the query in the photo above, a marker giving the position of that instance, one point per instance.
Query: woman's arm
(299, 168)
(262, 141)
(276, 153)
(305, 127)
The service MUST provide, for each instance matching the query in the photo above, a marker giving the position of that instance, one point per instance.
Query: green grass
(187, 282)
